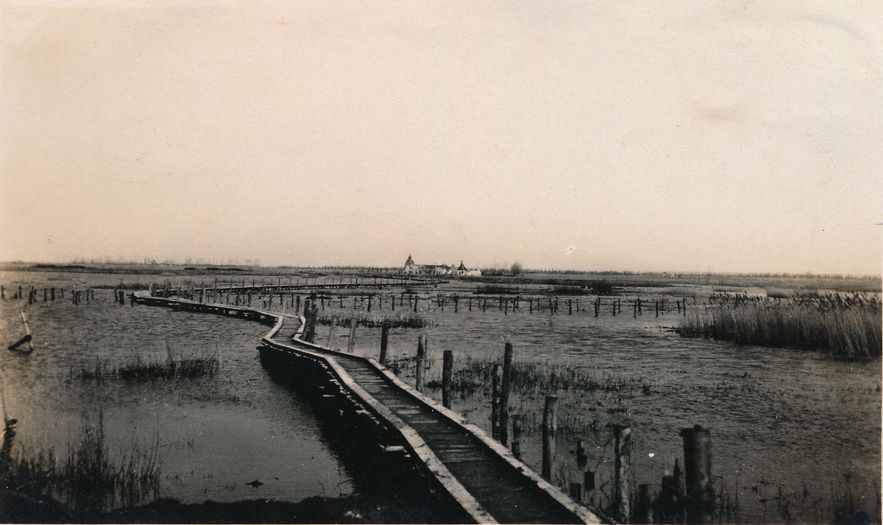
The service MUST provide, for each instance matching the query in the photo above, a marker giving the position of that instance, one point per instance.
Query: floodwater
(788, 427)
(215, 434)
(793, 433)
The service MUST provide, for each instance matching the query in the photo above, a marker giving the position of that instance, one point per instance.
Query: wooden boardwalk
(478, 473)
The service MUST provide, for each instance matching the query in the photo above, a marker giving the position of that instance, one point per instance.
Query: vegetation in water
(848, 328)
(413, 321)
(154, 367)
(88, 480)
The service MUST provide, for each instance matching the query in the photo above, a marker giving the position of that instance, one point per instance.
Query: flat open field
(795, 433)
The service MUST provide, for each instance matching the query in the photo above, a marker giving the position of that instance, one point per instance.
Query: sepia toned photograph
(303, 261)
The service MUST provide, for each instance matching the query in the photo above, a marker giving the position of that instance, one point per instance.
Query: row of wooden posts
(52, 293)
(679, 500)
(504, 304)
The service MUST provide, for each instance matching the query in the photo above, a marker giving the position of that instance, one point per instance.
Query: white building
(412, 268)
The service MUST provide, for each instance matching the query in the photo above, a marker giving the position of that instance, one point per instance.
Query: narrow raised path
(477, 472)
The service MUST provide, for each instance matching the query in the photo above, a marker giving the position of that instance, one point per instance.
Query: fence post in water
(656, 304)
(643, 510)
(384, 342)
(504, 394)
(516, 437)
(352, 339)
(421, 354)
(550, 427)
(3, 292)
(331, 331)
(495, 401)
(621, 457)
(447, 372)
(569, 307)
(697, 466)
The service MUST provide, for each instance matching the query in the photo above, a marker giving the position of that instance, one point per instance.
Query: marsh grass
(847, 328)
(413, 321)
(154, 367)
(89, 480)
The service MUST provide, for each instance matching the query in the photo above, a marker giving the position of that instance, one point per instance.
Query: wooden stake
(350, 345)
(550, 428)
(447, 372)
(496, 373)
(621, 460)
(421, 354)
(516, 437)
(504, 394)
(699, 505)
(384, 341)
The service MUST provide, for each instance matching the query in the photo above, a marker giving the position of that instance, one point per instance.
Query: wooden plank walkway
(479, 473)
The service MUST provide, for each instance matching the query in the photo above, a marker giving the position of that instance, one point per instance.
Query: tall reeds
(845, 328)
(154, 367)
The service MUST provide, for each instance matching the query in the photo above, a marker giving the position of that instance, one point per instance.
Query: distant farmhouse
(413, 268)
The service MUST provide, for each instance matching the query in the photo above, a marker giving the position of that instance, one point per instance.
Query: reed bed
(531, 378)
(495, 289)
(154, 367)
(89, 480)
(844, 327)
(413, 321)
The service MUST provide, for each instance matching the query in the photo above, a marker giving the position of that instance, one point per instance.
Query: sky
(596, 135)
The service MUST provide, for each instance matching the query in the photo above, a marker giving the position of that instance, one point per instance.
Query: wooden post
(569, 307)
(331, 331)
(350, 345)
(550, 427)
(656, 305)
(24, 320)
(496, 373)
(581, 456)
(384, 342)
(699, 504)
(447, 372)
(3, 293)
(516, 437)
(51, 294)
(621, 459)
(421, 354)
(643, 507)
(504, 394)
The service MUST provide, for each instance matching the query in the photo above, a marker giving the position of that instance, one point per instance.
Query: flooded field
(214, 434)
(794, 433)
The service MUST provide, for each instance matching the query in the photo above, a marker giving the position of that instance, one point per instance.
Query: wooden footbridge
(477, 473)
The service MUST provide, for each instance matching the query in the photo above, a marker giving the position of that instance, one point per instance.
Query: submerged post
(697, 465)
(447, 372)
(504, 394)
(550, 427)
(421, 354)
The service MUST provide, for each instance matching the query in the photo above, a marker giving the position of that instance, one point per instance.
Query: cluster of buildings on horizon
(412, 268)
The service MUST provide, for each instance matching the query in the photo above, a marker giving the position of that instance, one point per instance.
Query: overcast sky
(723, 136)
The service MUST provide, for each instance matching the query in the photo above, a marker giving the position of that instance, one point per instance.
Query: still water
(215, 434)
